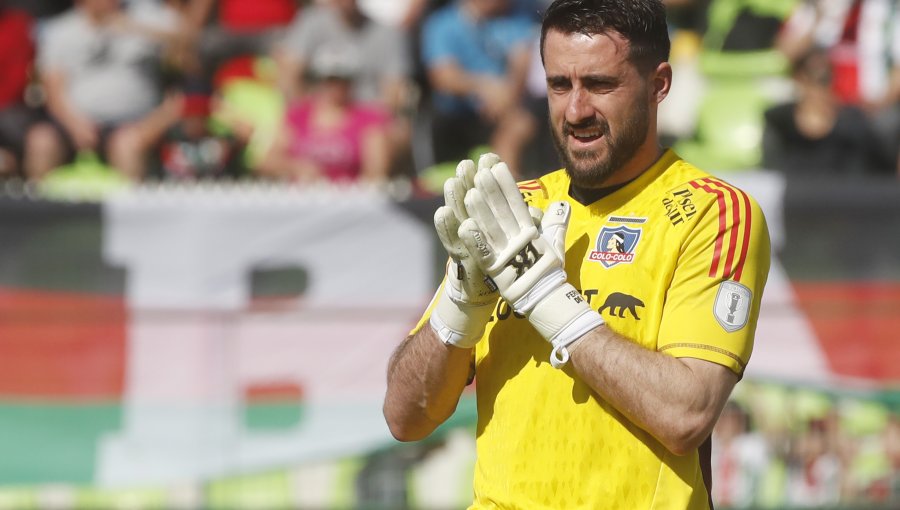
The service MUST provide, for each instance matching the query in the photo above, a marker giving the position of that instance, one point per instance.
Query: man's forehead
(565, 50)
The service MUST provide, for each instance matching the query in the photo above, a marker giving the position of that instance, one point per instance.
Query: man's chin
(586, 172)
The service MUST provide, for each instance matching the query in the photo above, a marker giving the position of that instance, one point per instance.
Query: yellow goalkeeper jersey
(676, 260)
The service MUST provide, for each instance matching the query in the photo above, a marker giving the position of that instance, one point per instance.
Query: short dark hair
(641, 22)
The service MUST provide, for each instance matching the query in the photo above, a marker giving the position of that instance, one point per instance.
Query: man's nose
(579, 107)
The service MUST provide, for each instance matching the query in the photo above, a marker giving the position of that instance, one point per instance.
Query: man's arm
(519, 63)
(451, 78)
(425, 381)
(199, 11)
(676, 400)
(427, 373)
(291, 69)
(496, 94)
(83, 130)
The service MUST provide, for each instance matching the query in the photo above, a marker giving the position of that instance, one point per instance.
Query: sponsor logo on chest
(617, 244)
(679, 206)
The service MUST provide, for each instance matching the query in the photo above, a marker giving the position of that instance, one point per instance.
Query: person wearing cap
(329, 135)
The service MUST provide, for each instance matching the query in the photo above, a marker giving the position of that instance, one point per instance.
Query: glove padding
(526, 264)
(468, 298)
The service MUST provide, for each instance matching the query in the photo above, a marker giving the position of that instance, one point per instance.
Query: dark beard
(583, 167)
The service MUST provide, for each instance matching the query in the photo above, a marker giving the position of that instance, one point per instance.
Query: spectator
(816, 135)
(540, 154)
(412, 11)
(16, 56)
(862, 38)
(403, 14)
(101, 78)
(383, 76)
(190, 151)
(892, 449)
(739, 459)
(477, 55)
(240, 28)
(815, 472)
(328, 135)
(384, 66)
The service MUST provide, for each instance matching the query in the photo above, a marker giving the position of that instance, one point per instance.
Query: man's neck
(634, 169)
(98, 18)
(353, 19)
(643, 159)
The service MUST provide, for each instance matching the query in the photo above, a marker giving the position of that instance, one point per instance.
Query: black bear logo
(618, 302)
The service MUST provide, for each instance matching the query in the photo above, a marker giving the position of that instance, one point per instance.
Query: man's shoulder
(550, 186)
(64, 33)
(317, 12)
(68, 23)
(681, 173)
(156, 15)
(445, 17)
(377, 32)
(512, 20)
(315, 17)
(686, 189)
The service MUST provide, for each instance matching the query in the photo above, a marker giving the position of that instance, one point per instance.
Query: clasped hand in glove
(525, 263)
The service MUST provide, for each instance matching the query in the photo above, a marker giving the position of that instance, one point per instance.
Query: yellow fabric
(544, 440)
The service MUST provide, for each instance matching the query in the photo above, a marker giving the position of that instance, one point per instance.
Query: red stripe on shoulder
(532, 185)
(720, 237)
(532, 189)
(735, 223)
(736, 256)
(748, 222)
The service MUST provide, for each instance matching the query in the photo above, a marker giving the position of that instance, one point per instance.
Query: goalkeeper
(578, 408)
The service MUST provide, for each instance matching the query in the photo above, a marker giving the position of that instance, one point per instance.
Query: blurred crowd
(372, 90)
(777, 446)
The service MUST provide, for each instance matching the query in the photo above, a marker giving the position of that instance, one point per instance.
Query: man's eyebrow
(557, 80)
(599, 79)
(587, 79)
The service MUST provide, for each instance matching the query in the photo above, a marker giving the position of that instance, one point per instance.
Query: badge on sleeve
(732, 307)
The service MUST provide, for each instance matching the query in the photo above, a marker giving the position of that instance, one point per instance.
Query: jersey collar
(618, 197)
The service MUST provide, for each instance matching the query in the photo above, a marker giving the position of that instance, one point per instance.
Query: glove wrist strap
(459, 324)
(570, 334)
(550, 281)
(562, 317)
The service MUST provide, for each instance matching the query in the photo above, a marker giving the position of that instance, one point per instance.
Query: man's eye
(600, 87)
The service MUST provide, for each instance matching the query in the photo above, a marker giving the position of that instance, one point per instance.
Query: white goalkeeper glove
(462, 311)
(526, 265)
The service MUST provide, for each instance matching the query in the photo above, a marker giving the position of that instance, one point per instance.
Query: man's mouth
(585, 135)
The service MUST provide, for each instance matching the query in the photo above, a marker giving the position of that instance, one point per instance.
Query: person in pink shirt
(328, 135)
(16, 58)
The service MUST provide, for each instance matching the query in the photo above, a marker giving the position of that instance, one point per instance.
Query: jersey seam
(718, 350)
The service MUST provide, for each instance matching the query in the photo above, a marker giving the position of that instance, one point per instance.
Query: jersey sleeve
(712, 304)
(427, 315)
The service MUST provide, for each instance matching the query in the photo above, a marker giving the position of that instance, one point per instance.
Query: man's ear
(661, 80)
